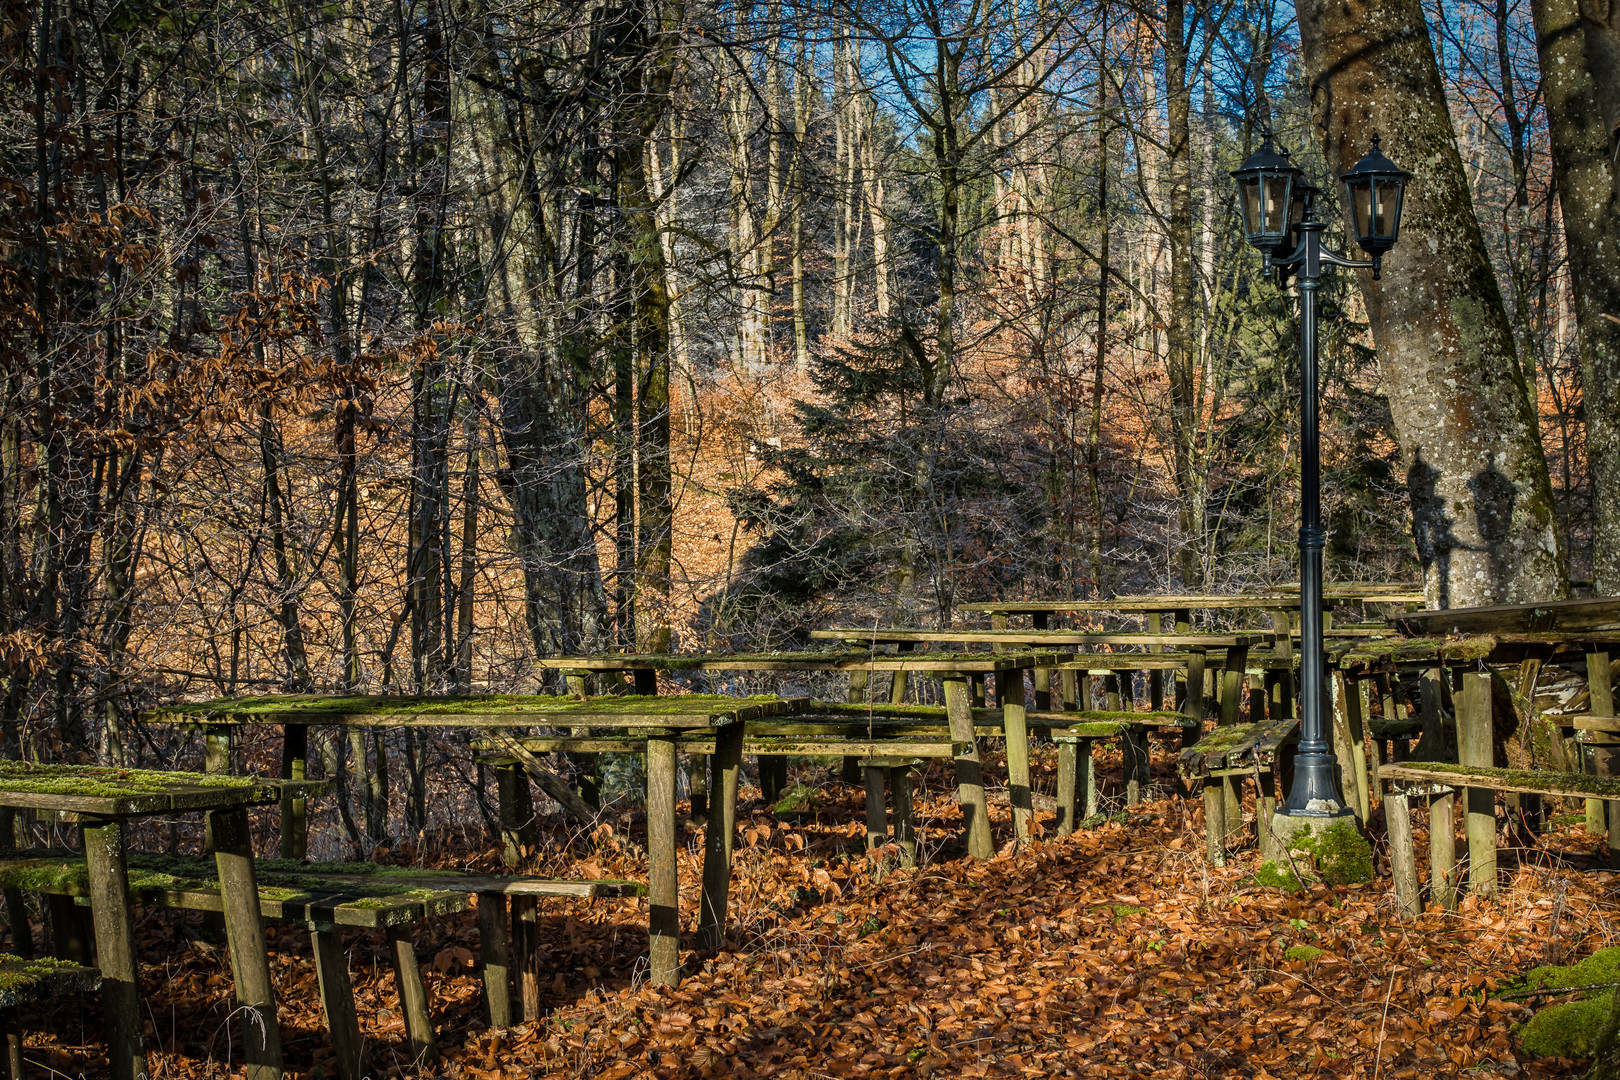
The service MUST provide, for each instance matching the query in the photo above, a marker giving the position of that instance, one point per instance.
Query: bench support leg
(495, 957)
(1474, 748)
(877, 814)
(115, 948)
(68, 926)
(664, 921)
(11, 1024)
(526, 954)
(1215, 820)
(1402, 856)
(1134, 743)
(337, 998)
(1443, 850)
(413, 998)
(1010, 686)
(244, 926)
(720, 838)
(294, 766)
(905, 829)
(969, 769)
(1265, 806)
(1067, 752)
(518, 836)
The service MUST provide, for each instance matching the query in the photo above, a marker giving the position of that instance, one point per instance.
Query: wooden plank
(1600, 613)
(877, 811)
(1068, 751)
(1527, 781)
(1047, 638)
(1587, 722)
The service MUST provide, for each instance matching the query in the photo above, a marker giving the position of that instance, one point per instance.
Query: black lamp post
(1279, 219)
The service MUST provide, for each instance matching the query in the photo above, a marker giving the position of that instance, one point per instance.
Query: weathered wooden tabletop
(679, 711)
(984, 663)
(103, 792)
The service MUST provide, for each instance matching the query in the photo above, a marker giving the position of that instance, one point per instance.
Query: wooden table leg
(115, 948)
(969, 768)
(905, 826)
(1402, 855)
(1215, 820)
(877, 810)
(413, 998)
(1443, 849)
(11, 1024)
(244, 925)
(294, 766)
(337, 998)
(1134, 743)
(519, 838)
(495, 957)
(1474, 748)
(720, 836)
(1067, 749)
(1010, 684)
(525, 945)
(664, 919)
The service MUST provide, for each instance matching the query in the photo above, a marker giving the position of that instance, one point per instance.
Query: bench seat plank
(1523, 781)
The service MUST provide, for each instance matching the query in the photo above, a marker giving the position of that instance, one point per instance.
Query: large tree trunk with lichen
(1589, 197)
(1482, 504)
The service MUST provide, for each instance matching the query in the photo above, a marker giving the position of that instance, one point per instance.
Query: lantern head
(1267, 184)
(1373, 190)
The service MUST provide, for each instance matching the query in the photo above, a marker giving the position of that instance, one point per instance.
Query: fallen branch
(552, 784)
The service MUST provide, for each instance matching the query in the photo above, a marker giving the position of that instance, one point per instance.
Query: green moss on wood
(32, 980)
(25, 777)
(311, 707)
(1380, 651)
(1223, 740)
(1605, 787)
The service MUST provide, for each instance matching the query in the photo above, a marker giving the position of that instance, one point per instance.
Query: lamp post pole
(1314, 790)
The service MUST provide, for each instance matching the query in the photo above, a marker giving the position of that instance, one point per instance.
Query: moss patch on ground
(1302, 952)
(1573, 1029)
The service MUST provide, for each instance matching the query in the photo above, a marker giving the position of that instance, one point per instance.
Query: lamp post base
(1320, 844)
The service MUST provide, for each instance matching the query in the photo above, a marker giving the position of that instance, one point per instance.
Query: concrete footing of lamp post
(1323, 845)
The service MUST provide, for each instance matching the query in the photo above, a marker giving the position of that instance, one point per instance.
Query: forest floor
(1115, 952)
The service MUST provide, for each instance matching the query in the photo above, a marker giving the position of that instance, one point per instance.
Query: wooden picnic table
(662, 721)
(957, 671)
(101, 800)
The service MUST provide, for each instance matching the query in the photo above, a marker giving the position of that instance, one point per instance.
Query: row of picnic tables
(614, 707)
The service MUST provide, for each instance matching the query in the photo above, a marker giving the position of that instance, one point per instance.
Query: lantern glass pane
(1276, 208)
(1360, 206)
(1249, 195)
(1389, 208)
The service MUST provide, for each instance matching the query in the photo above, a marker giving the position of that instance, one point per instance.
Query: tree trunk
(1590, 200)
(1181, 334)
(1482, 504)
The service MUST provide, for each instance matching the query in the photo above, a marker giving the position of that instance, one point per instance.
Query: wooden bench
(28, 982)
(329, 897)
(1221, 759)
(1435, 782)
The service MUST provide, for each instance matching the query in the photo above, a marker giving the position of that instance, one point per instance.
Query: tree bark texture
(1482, 505)
(1589, 197)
